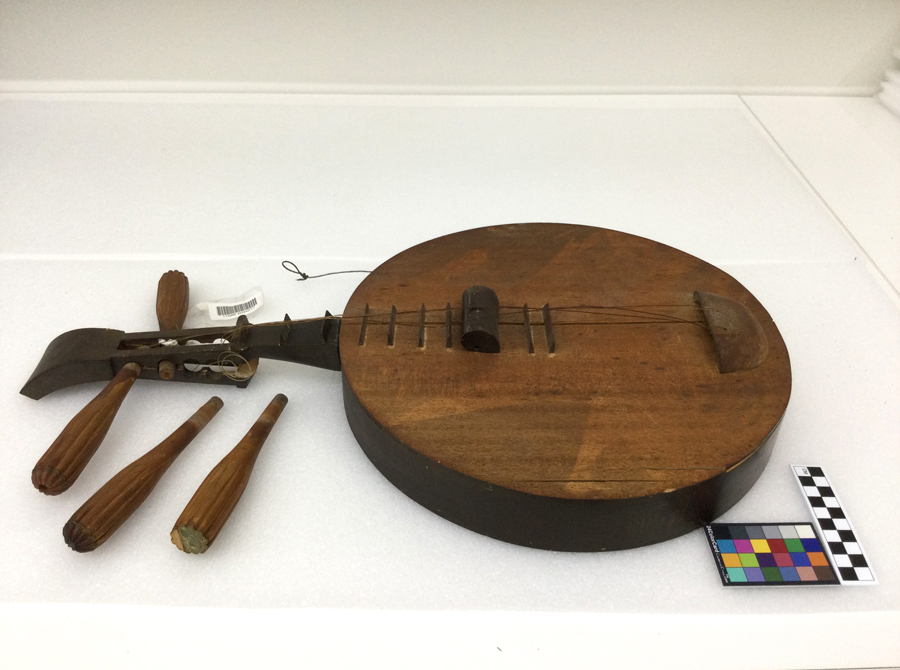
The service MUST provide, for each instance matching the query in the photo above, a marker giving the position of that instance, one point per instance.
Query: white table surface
(323, 560)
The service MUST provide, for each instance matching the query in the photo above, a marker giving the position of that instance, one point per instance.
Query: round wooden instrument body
(603, 422)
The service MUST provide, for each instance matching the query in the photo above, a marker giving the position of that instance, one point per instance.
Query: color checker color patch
(767, 554)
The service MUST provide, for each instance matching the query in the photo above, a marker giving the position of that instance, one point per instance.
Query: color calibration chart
(769, 554)
(793, 554)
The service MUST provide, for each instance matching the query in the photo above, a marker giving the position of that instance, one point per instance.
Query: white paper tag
(231, 308)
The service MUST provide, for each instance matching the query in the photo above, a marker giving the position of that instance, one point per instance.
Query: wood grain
(172, 300)
(610, 392)
(105, 511)
(65, 459)
(214, 501)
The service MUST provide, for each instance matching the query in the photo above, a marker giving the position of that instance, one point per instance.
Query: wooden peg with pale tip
(115, 501)
(172, 301)
(61, 464)
(212, 504)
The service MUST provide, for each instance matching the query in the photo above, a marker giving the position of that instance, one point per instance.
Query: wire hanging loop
(291, 267)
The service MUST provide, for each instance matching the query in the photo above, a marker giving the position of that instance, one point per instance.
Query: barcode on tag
(222, 310)
(232, 310)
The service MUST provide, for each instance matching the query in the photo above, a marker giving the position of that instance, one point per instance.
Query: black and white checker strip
(840, 538)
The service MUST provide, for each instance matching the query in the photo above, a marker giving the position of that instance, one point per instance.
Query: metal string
(291, 267)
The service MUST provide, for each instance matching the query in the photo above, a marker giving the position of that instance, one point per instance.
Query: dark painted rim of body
(544, 522)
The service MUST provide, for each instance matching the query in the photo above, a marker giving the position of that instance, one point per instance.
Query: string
(649, 317)
(235, 371)
(293, 269)
(634, 317)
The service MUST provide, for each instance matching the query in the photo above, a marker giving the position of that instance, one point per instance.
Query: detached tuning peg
(212, 504)
(98, 518)
(61, 464)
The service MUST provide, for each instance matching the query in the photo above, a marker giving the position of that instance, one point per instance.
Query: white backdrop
(101, 194)
(101, 190)
(839, 46)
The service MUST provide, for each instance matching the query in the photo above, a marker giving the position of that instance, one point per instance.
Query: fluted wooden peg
(172, 300)
(115, 501)
(212, 504)
(61, 464)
